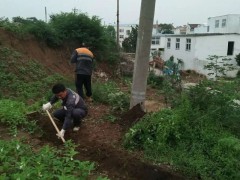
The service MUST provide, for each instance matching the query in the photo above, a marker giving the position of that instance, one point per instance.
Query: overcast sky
(178, 12)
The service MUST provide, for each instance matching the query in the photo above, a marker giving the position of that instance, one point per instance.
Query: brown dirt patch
(54, 60)
(101, 142)
(191, 76)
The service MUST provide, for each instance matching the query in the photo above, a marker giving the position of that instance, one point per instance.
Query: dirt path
(100, 141)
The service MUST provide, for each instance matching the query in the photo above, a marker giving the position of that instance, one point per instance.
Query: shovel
(49, 115)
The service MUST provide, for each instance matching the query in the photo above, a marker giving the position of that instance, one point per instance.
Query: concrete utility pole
(75, 10)
(118, 24)
(45, 14)
(142, 52)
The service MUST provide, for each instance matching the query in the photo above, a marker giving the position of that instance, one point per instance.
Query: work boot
(76, 128)
(89, 99)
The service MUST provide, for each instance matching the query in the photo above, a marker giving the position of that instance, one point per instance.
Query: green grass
(200, 136)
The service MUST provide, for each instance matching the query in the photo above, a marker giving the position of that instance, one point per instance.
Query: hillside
(98, 140)
(54, 60)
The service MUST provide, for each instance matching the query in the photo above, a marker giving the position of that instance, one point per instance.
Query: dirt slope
(55, 60)
(101, 142)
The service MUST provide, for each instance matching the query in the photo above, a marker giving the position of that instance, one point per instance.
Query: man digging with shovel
(73, 110)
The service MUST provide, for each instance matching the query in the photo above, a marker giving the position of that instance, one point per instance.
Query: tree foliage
(69, 30)
(129, 44)
(165, 28)
(200, 135)
(218, 65)
(78, 28)
(237, 58)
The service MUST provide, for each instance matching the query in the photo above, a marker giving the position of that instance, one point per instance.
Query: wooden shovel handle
(49, 115)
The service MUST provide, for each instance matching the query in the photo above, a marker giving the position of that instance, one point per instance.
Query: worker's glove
(47, 106)
(61, 133)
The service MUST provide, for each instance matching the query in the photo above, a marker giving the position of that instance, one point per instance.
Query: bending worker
(83, 58)
(73, 110)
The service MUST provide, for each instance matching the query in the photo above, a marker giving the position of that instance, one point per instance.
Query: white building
(124, 31)
(194, 49)
(221, 38)
(158, 41)
(201, 28)
(224, 24)
(180, 30)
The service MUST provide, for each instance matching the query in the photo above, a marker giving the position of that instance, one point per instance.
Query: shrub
(109, 93)
(155, 81)
(23, 162)
(237, 58)
(200, 135)
(12, 113)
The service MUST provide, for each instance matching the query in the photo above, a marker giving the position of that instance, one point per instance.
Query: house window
(121, 36)
(224, 22)
(177, 43)
(216, 23)
(188, 44)
(128, 32)
(121, 30)
(155, 40)
(230, 48)
(168, 43)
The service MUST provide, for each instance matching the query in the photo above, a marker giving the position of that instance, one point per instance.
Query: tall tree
(165, 28)
(129, 44)
(110, 31)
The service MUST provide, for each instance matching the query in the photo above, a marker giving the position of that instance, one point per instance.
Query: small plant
(109, 93)
(111, 118)
(155, 81)
(200, 135)
(13, 113)
(218, 65)
(20, 161)
(237, 58)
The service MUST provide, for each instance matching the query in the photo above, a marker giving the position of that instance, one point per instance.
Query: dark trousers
(83, 80)
(77, 116)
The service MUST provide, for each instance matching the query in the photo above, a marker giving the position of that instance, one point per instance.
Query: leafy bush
(74, 29)
(237, 58)
(155, 81)
(218, 65)
(109, 93)
(69, 30)
(20, 161)
(130, 43)
(200, 135)
(12, 113)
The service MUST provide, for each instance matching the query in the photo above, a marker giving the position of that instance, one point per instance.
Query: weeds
(20, 161)
(109, 93)
(200, 135)
(12, 113)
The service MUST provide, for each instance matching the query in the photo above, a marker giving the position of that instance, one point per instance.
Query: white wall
(123, 28)
(186, 56)
(201, 47)
(201, 29)
(232, 24)
(160, 45)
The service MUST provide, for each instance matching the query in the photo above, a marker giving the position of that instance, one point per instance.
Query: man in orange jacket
(83, 58)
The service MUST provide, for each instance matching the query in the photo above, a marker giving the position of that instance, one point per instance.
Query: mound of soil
(131, 117)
